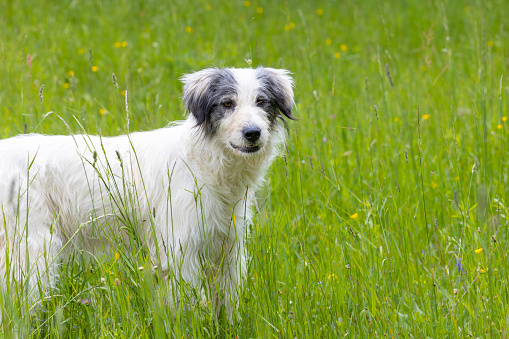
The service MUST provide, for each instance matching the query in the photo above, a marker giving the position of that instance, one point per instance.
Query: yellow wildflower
(343, 47)
(425, 116)
(259, 10)
(319, 11)
(67, 85)
(332, 277)
(354, 216)
(423, 68)
(337, 55)
(396, 119)
(479, 250)
(117, 44)
(504, 119)
(124, 43)
(102, 111)
(490, 43)
(328, 42)
(94, 68)
(499, 126)
(81, 51)
(123, 93)
(189, 29)
(484, 270)
(208, 8)
(70, 73)
(247, 3)
(291, 25)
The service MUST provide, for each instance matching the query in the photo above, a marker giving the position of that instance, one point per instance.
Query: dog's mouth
(246, 149)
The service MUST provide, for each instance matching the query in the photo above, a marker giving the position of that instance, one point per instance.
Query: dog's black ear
(279, 84)
(203, 89)
(195, 91)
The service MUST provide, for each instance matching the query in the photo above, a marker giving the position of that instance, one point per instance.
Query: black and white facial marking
(276, 92)
(240, 107)
(209, 94)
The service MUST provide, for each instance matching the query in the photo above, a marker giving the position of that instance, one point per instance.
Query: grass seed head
(40, 93)
(456, 199)
(94, 155)
(388, 74)
(119, 158)
(353, 233)
(114, 78)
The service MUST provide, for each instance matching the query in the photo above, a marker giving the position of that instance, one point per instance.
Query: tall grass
(370, 225)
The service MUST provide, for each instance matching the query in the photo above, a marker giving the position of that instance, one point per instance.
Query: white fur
(189, 195)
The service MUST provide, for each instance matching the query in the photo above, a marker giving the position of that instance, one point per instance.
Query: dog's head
(243, 108)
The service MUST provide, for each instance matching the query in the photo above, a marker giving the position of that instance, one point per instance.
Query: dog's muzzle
(251, 135)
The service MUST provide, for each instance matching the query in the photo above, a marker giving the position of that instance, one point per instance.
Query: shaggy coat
(184, 191)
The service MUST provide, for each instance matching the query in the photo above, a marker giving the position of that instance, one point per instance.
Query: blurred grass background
(387, 215)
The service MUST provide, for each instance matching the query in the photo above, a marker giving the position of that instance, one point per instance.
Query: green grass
(367, 227)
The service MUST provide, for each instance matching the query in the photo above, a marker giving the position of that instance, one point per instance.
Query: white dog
(185, 191)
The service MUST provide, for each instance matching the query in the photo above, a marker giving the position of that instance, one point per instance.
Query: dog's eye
(227, 103)
(260, 102)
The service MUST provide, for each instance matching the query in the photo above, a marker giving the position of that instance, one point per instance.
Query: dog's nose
(252, 133)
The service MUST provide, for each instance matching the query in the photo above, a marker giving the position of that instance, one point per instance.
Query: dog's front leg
(225, 276)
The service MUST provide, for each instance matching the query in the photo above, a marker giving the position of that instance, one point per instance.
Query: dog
(186, 191)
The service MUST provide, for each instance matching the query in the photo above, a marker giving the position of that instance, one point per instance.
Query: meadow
(387, 215)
